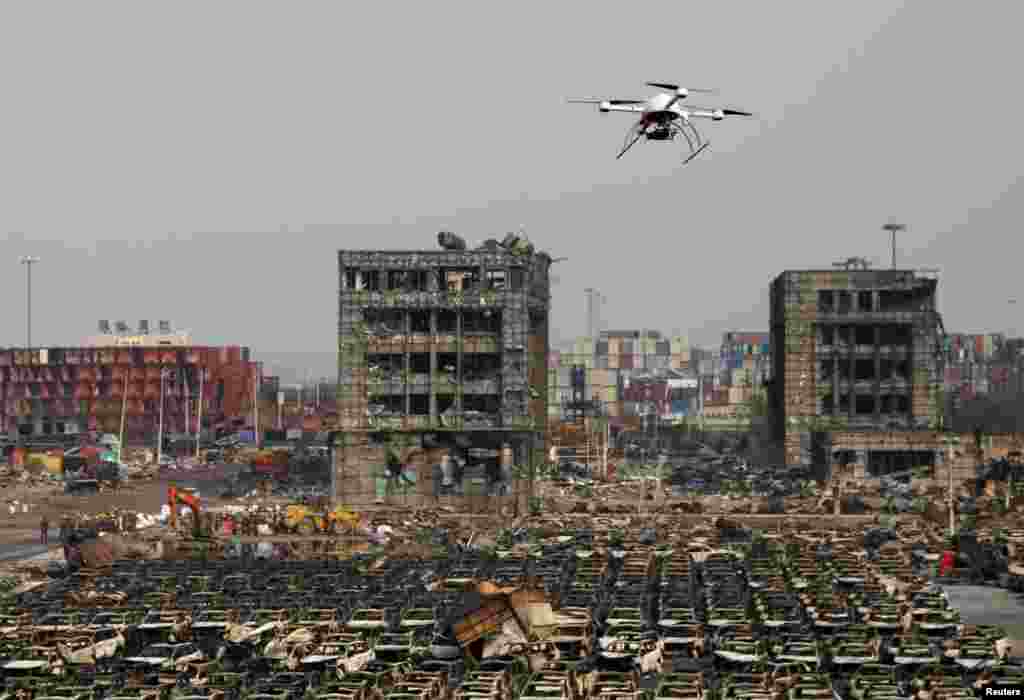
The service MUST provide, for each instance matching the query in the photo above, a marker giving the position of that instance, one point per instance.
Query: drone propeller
(599, 100)
(724, 112)
(674, 87)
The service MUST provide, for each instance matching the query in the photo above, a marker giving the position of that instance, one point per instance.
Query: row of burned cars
(700, 614)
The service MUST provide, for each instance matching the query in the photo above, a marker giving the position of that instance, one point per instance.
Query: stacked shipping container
(979, 364)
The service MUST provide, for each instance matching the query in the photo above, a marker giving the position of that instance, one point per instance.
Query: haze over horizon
(266, 136)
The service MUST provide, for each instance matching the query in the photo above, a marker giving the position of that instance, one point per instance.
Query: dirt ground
(23, 528)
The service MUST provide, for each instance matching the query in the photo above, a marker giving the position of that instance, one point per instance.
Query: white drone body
(663, 117)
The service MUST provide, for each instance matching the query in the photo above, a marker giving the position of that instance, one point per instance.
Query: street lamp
(28, 261)
(165, 374)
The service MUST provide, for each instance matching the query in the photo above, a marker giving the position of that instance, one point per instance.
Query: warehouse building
(443, 352)
(56, 391)
(857, 369)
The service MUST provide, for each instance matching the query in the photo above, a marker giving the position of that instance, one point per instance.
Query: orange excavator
(174, 497)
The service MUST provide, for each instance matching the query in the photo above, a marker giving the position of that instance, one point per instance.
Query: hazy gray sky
(375, 124)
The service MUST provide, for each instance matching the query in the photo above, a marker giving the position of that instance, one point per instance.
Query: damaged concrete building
(857, 370)
(443, 351)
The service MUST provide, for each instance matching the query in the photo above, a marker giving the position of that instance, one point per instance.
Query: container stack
(980, 364)
(574, 371)
(745, 357)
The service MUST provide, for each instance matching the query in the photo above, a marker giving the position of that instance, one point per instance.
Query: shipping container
(554, 357)
(628, 347)
(611, 394)
(663, 348)
(614, 362)
(680, 408)
(626, 361)
(678, 344)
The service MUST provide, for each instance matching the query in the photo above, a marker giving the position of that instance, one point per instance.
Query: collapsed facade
(440, 350)
(857, 369)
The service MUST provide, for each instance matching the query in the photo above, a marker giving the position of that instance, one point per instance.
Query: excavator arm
(174, 497)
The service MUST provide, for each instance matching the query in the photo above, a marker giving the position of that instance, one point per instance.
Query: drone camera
(605, 106)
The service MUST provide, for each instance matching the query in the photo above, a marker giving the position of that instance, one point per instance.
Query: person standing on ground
(44, 531)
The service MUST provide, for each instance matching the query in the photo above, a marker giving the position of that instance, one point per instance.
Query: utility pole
(256, 402)
(893, 229)
(28, 261)
(199, 410)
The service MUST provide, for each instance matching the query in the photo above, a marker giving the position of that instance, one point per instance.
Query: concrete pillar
(433, 365)
(407, 361)
(852, 373)
(458, 361)
(835, 379)
(877, 384)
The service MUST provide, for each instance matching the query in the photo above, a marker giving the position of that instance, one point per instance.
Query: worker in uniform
(396, 475)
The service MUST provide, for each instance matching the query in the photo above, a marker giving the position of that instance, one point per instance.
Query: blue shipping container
(765, 348)
(681, 408)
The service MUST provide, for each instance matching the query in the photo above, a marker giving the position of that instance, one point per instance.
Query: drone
(663, 118)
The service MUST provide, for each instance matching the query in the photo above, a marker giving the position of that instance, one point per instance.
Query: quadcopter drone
(662, 117)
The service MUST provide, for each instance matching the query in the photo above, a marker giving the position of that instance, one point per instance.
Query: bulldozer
(303, 520)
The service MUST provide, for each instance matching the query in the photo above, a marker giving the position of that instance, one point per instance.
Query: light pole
(951, 442)
(124, 411)
(28, 261)
(199, 409)
(164, 375)
(256, 402)
(893, 229)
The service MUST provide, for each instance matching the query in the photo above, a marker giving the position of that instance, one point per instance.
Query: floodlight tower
(28, 261)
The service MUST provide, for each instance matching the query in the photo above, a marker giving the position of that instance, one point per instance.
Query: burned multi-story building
(441, 349)
(857, 368)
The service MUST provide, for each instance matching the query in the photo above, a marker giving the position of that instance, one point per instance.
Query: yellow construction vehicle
(303, 520)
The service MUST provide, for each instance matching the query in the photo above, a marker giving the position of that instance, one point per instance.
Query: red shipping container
(952, 375)
(979, 344)
(625, 361)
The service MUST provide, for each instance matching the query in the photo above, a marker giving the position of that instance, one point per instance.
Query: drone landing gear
(696, 153)
(696, 143)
